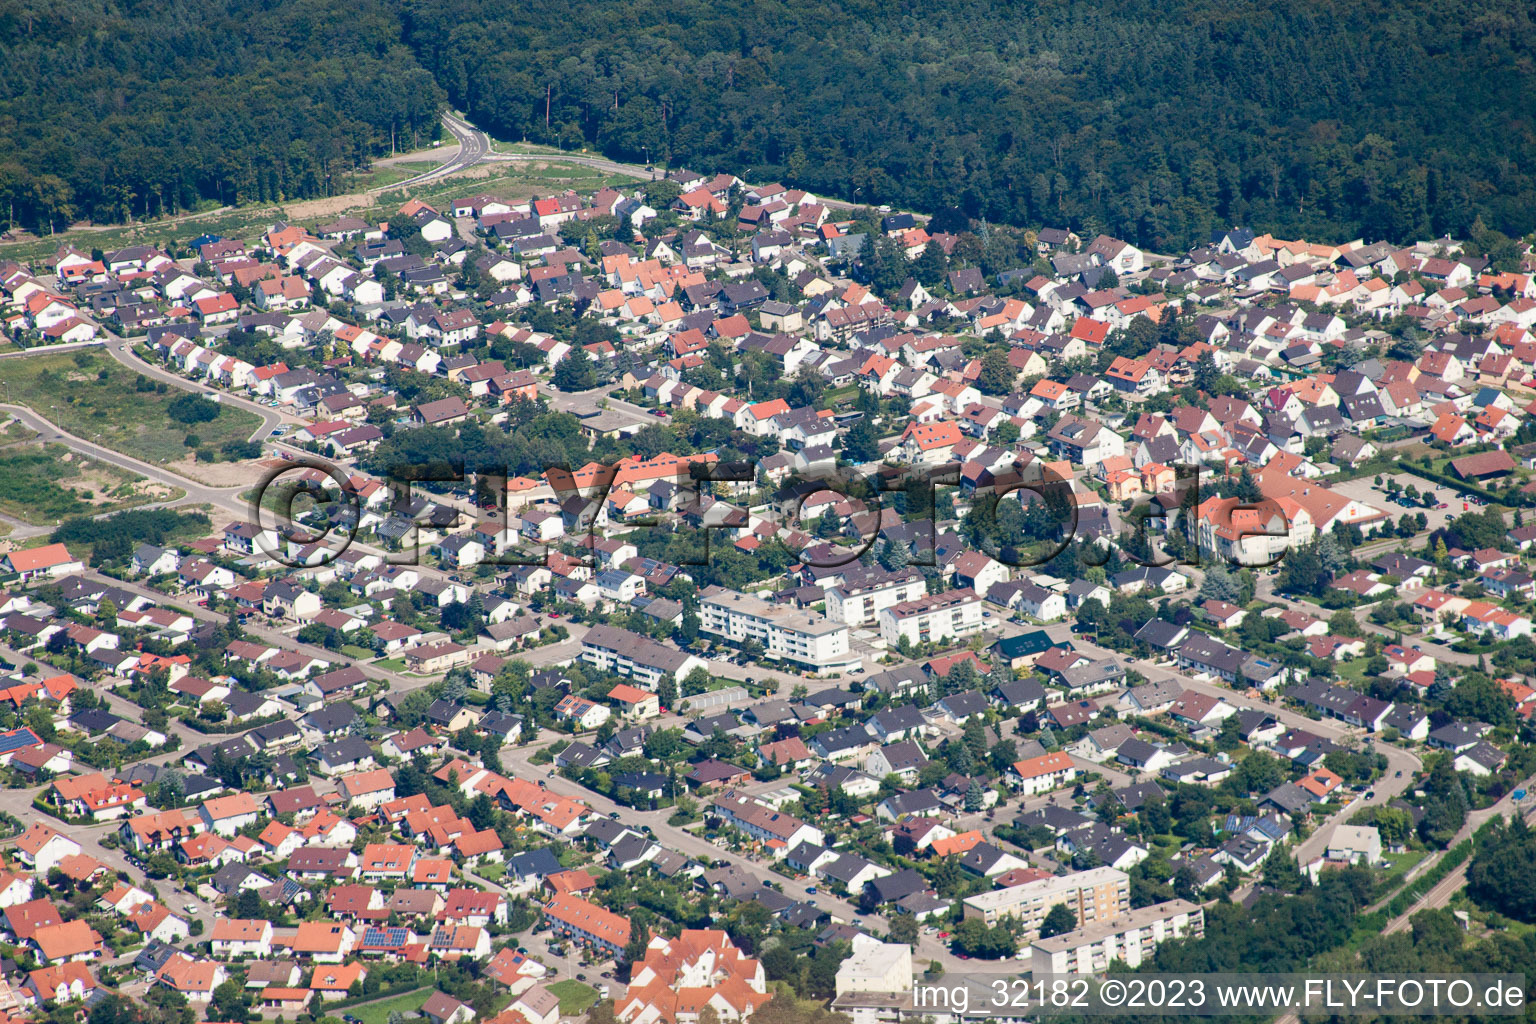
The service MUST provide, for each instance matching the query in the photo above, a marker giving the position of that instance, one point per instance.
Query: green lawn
(378, 1013)
(109, 411)
(574, 996)
(1399, 864)
(1353, 670)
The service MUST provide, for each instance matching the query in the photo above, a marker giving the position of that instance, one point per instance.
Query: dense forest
(131, 108)
(1153, 121)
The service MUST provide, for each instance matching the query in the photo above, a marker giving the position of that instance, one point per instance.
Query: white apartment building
(876, 966)
(1130, 938)
(1097, 895)
(784, 632)
(952, 615)
(611, 649)
(861, 605)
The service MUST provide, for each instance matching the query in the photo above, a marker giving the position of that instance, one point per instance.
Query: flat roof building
(784, 632)
(1129, 938)
(1097, 895)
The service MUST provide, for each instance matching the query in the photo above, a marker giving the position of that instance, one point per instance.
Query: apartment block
(1097, 895)
(784, 632)
(952, 615)
(860, 604)
(611, 649)
(1130, 938)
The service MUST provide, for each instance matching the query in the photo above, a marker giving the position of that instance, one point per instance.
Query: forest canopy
(133, 108)
(1156, 122)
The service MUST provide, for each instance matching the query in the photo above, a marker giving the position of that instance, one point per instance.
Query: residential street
(1384, 790)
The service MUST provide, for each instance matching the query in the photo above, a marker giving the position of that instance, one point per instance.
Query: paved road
(473, 146)
(121, 349)
(579, 402)
(1447, 887)
(223, 497)
(1265, 591)
(1385, 790)
(271, 418)
(40, 350)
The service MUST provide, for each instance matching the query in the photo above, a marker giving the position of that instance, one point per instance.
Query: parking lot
(1364, 489)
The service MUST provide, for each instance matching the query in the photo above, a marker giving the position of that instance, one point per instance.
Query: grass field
(378, 1013)
(65, 389)
(574, 996)
(379, 177)
(43, 483)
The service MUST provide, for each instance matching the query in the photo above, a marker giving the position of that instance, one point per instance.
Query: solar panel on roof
(17, 739)
(386, 936)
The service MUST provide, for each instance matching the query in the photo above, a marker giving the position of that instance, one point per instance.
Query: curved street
(221, 497)
(121, 349)
(473, 146)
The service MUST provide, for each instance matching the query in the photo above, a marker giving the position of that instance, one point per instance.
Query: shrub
(190, 409)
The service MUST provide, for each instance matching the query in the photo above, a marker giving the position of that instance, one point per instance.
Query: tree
(230, 1003)
(1445, 804)
(1478, 697)
(1155, 816)
(1282, 872)
(575, 372)
(904, 928)
(662, 193)
(1058, 920)
(1344, 623)
(1302, 571)
(1394, 824)
(639, 941)
(1257, 773)
(1219, 585)
(1186, 885)
(860, 444)
(190, 408)
(973, 938)
(997, 373)
(975, 796)
(247, 905)
(931, 265)
(1499, 877)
